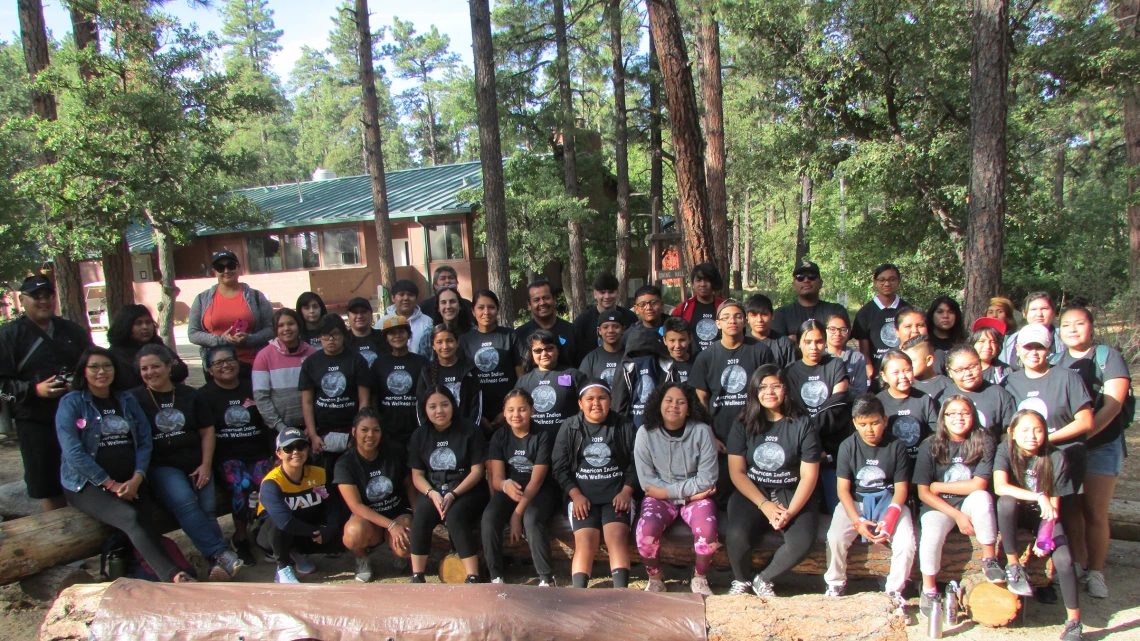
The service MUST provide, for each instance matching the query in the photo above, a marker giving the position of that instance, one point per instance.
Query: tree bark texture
(620, 151)
(688, 148)
(165, 247)
(118, 276)
(737, 283)
(1059, 175)
(491, 158)
(807, 194)
(712, 91)
(576, 295)
(985, 227)
(656, 171)
(746, 230)
(1127, 13)
(373, 146)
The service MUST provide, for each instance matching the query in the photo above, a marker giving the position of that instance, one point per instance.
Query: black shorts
(601, 514)
(39, 449)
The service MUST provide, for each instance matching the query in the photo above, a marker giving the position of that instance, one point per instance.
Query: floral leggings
(243, 478)
(658, 515)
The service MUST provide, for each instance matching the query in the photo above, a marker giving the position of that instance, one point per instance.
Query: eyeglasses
(775, 387)
(648, 303)
(226, 362)
(809, 277)
(548, 349)
(976, 367)
(299, 446)
(837, 330)
(41, 295)
(95, 369)
(225, 267)
(887, 280)
(734, 317)
(959, 415)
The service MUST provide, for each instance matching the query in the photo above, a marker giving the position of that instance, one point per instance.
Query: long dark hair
(653, 417)
(303, 300)
(363, 415)
(1041, 463)
(464, 320)
(79, 381)
(119, 333)
(302, 329)
(542, 337)
(753, 417)
(977, 444)
(518, 392)
(958, 330)
(436, 331)
(439, 389)
(485, 293)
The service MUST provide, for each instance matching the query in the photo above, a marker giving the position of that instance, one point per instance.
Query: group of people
(330, 436)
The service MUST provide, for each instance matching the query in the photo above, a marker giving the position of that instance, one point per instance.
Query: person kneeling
(593, 462)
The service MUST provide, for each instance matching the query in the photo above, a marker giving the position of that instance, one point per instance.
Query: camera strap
(41, 337)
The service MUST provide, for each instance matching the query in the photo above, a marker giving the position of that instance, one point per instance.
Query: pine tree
(420, 57)
(249, 30)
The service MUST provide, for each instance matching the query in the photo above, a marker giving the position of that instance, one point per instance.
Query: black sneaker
(1073, 631)
(245, 552)
(418, 577)
(993, 571)
(1046, 595)
(1016, 581)
(473, 578)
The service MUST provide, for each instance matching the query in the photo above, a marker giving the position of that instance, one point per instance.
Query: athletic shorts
(1107, 459)
(601, 514)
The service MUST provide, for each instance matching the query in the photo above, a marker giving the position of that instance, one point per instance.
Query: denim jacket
(80, 444)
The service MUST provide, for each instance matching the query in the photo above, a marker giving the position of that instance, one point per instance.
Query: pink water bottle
(1045, 541)
(890, 520)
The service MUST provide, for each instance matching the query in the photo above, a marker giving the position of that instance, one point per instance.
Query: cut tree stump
(69, 618)
(990, 604)
(47, 585)
(862, 617)
(451, 569)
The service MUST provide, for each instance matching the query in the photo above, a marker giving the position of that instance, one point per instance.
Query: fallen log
(70, 617)
(869, 616)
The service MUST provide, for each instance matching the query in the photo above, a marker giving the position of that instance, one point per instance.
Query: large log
(862, 617)
(69, 618)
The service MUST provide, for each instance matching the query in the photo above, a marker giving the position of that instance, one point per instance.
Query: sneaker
(1073, 631)
(925, 604)
(834, 591)
(244, 552)
(225, 566)
(655, 585)
(285, 575)
(1097, 587)
(993, 571)
(547, 583)
(498, 580)
(762, 588)
(700, 585)
(740, 587)
(1016, 581)
(418, 577)
(1046, 595)
(473, 578)
(1082, 573)
(897, 600)
(302, 563)
(363, 569)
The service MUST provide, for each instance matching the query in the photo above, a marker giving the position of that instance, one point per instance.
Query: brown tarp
(148, 611)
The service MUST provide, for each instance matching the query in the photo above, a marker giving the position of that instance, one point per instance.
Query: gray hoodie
(259, 334)
(683, 466)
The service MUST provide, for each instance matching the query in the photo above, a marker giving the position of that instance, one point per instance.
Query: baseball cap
(991, 323)
(610, 317)
(288, 436)
(359, 301)
(33, 284)
(1034, 334)
(222, 255)
(394, 321)
(806, 267)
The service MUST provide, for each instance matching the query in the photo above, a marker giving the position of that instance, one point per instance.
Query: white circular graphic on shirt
(544, 398)
(957, 472)
(399, 382)
(608, 375)
(442, 459)
(768, 457)
(888, 335)
(333, 384)
(454, 387)
(814, 393)
(733, 379)
(907, 429)
(1035, 404)
(237, 416)
(369, 356)
(597, 454)
(379, 488)
(1031, 480)
(115, 424)
(985, 422)
(706, 329)
(487, 359)
(522, 464)
(870, 476)
(170, 420)
(646, 388)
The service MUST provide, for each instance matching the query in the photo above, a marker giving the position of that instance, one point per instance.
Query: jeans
(195, 509)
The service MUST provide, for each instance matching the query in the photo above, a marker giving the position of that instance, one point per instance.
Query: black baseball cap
(806, 267)
(610, 317)
(359, 301)
(289, 436)
(222, 255)
(33, 284)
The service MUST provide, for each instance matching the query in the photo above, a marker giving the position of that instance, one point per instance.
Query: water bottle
(1045, 541)
(934, 630)
(951, 609)
(254, 497)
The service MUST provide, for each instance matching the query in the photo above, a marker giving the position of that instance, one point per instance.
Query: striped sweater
(275, 375)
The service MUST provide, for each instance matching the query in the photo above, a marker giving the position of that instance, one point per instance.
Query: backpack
(1100, 359)
(142, 569)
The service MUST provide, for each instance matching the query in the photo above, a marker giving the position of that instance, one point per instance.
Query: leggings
(1010, 515)
(462, 519)
(535, 519)
(282, 544)
(242, 478)
(657, 515)
(979, 506)
(131, 518)
(746, 521)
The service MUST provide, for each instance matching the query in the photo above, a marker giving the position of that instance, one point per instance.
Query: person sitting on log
(594, 464)
(106, 442)
(676, 464)
(953, 472)
(294, 515)
(872, 479)
(774, 455)
(447, 455)
(525, 495)
(376, 484)
(1030, 477)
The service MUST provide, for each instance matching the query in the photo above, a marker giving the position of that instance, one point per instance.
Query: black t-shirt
(927, 470)
(335, 380)
(724, 374)
(910, 419)
(394, 390)
(175, 422)
(568, 342)
(704, 324)
(601, 364)
(495, 355)
(599, 477)
(995, 405)
(872, 468)
(772, 459)
(788, 319)
(520, 455)
(116, 454)
(935, 387)
(447, 457)
(370, 346)
(379, 481)
(1062, 484)
(1088, 367)
(555, 395)
(586, 328)
(238, 426)
(877, 324)
(812, 385)
(782, 348)
(1058, 396)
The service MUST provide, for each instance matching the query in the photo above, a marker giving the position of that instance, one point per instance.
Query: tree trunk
(622, 157)
(736, 278)
(69, 290)
(713, 93)
(989, 70)
(491, 158)
(771, 221)
(576, 295)
(1059, 175)
(746, 275)
(118, 276)
(373, 147)
(807, 191)
(1128, 17)
(656, 171)
(688, 153)
(164, 245)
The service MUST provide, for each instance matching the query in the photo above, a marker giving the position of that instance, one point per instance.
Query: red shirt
(223, 313)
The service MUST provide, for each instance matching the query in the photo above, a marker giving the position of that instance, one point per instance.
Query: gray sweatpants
(979, 506)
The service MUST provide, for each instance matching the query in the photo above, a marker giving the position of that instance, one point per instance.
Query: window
(263, 253)
(446, 241)
(401, 252)
(301, 251)
(341, 247)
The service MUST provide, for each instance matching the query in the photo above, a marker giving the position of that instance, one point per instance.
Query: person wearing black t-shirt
(807, 282)
(874, 325)
(759, 309)
(946, 322)
(447, 455)
(448, 367)
(594, 463)
(911, 415)
(927, 379)
(701, 311)
(603, 362)
(586, 324)
(494, 350)
(544, 310)
(394, 377)
(525, 494)
(376, 485)
(994, 404)
(311, 308)
(368, 342)
(243, 444)
(553, 386)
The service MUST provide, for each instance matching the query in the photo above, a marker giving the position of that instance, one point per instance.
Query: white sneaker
(543, 583)
(285, 575)
(1082, 573)
(655, 585)
(700, 585)
(834, 591)
(1097, 587)
(497, 580)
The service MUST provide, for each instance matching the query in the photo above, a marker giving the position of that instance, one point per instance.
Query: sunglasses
(543, 350)
(299, 446)
(225, 267)
(810, 277)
